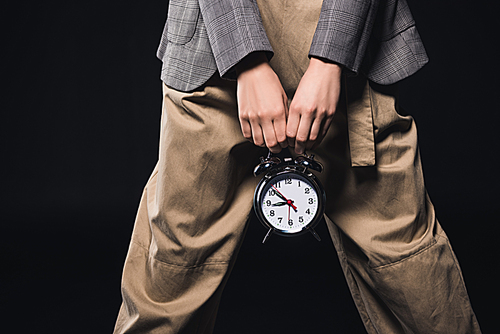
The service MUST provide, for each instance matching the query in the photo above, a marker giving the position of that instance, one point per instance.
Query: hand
(262, 103)
(314, 105)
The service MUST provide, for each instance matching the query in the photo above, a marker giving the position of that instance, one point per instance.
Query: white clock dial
(289, 202)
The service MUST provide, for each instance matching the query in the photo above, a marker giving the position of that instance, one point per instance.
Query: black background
(81, 100)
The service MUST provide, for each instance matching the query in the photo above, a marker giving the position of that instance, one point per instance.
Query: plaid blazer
(375, 37)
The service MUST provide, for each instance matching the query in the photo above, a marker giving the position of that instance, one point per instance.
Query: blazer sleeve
(376, 37)
(343, 31)
(235, 30)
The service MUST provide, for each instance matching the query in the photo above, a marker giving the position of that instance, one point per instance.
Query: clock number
(271, 213)
(310, 201)
(280, 219)
(268, 202)
(288, 180)
(301, 219)
(307, 190)
(308, 211)
(298, 183)
(272, 192)
(290, 222)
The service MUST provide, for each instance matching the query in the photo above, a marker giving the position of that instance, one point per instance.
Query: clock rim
(299, 170)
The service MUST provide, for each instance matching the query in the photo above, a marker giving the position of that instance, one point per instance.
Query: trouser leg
(397, 260)
(192, 216)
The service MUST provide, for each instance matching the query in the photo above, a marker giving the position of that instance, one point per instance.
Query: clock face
(289, 202)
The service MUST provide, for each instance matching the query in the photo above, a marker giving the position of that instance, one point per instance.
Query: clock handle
(265, 164)
(309, 162)
(267, 235)
(315, 234)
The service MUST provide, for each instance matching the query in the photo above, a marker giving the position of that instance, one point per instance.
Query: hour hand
(288, 202)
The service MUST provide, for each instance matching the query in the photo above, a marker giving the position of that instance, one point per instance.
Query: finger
(270, 137)
(292, 127)
(246, 129)
(315, 129)
(257, 135)
(326, 126)
(316, 133)
(303, 134)
(287, 109)
(280, 131)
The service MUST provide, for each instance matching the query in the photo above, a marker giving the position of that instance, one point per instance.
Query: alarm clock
(289, 200)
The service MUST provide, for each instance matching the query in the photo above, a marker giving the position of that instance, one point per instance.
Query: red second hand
(288, 221)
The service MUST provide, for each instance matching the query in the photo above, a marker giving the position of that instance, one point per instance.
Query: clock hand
(284, 203)
(288, 220)
(280, 195)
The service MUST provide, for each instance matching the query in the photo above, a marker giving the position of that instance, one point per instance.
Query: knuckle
(271, 141)
(309, 110)
(295, 109)
(278, 112)
(281, 138)
(275, 149)
(321, 112)
(258, 142)
(253, 117)
(301, 139)
(272, 144)
(261, 114)
(327, 113)
(330, 112)
(271, 113)
(243, 112)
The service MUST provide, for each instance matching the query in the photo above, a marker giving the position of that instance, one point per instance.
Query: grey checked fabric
(375, 37)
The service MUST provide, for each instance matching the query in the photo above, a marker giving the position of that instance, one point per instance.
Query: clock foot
(267, 235)
(315, 234)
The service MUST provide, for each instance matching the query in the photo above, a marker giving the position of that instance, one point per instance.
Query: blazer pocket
(182, 20)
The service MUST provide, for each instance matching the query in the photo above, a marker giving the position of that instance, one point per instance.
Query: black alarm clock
(289, 200)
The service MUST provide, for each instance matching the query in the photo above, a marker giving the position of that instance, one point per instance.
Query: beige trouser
(397, 260)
